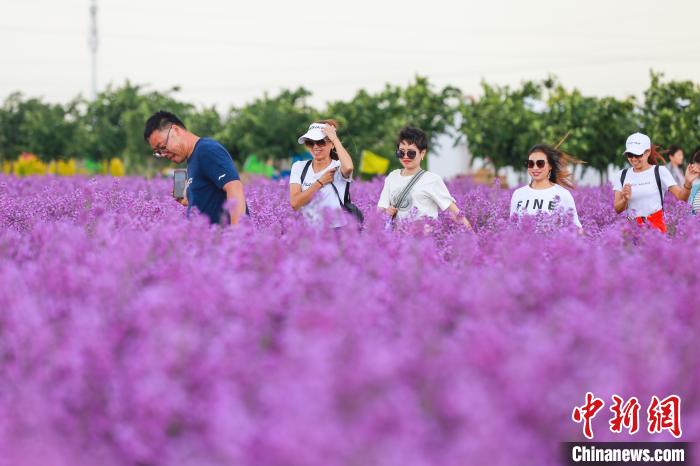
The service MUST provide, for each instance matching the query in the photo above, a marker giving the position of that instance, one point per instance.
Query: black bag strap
(407, 189)
(306, 169)
(338, 194)
(623, 175)
(657, 175)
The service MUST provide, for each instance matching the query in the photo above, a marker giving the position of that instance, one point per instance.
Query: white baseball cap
(315, 133)
(637, 144)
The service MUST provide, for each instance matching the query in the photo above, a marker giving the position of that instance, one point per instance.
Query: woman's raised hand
(330, 132)
(328, 176)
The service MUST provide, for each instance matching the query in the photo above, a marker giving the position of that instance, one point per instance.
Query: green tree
(34, 126)
(114, 123)
(502, 125)
(597, 127)
(268, 127)
(373, 121)
(671, 112)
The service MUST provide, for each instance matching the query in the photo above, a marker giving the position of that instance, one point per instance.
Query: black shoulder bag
(345, 203)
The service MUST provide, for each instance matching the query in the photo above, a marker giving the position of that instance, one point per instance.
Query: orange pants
(656, 220)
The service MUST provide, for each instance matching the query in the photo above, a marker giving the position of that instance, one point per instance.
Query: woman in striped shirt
(694, 198)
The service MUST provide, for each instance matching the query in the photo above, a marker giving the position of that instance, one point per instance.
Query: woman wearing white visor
(312, 182)
(640, 191)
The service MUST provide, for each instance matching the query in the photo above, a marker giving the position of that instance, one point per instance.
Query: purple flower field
(132, 336)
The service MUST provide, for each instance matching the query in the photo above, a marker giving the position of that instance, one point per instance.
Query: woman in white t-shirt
(639, 191)
(427, 195)
(549, 187)
(311, 182)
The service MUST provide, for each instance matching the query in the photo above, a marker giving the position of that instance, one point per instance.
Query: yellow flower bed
(29, 164)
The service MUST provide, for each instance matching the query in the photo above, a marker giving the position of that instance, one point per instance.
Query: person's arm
(683, 192)
(235, 194)
(569, 203)
(458, 216)
(384, 205)
(513, 203)
(439, 193)
(346, 165)
(299, 198)
(622, 198)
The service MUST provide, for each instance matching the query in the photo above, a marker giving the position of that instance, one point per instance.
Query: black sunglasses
(531, 163)
(158, 151)
(630, 155)
(310, 143)
(411, 154)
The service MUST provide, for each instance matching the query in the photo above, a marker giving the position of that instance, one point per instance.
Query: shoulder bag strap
(623, 175)
(657, 175)
(303, 172)
(337, 194)
(407, 189)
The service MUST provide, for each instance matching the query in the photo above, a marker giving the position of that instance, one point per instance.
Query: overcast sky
(230, 52)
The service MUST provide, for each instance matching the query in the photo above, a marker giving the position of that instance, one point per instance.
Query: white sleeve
(440, 194)
(384, 196)
(569, 203)
(616, 181)
(295, 172)
(666, 179)
(513, 202)
(339, 176)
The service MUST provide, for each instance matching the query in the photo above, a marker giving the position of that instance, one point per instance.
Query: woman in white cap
(312, 182)
(549, 187)
(640, 191)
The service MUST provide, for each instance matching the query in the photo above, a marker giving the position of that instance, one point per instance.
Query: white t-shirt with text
(427, 198)
(325, 201)
(529, 201)
(645, 193)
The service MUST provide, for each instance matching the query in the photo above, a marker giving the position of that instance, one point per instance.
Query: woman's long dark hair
(559, 162)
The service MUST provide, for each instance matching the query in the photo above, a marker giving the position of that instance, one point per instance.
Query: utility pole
(93, 45)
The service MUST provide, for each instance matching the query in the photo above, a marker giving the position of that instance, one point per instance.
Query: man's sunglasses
(411, 154)
(158, 151)
(531, 163)
(630, 155)
(311, 143)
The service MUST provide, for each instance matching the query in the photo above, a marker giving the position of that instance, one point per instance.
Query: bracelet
(687, 187)
(319, 182)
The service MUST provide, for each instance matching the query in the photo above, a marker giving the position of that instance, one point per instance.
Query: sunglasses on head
(310, 143)
(411, 154)
(630, 155)
(531, 163)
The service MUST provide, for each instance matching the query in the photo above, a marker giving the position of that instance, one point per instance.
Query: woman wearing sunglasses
(311, 182)
(548, 190)
(412, 191)
(640, 191)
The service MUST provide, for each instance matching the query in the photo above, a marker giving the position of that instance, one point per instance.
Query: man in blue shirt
(212, 179)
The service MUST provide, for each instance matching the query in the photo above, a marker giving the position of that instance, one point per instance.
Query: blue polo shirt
(209, 168)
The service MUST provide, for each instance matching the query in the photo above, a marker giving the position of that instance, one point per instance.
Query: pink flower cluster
(130, 335)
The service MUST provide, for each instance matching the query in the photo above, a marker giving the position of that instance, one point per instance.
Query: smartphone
(179, 182)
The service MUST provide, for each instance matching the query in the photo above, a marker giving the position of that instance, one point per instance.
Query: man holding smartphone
(212, 178)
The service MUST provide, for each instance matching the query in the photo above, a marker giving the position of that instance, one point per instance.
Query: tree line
(500, 125)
